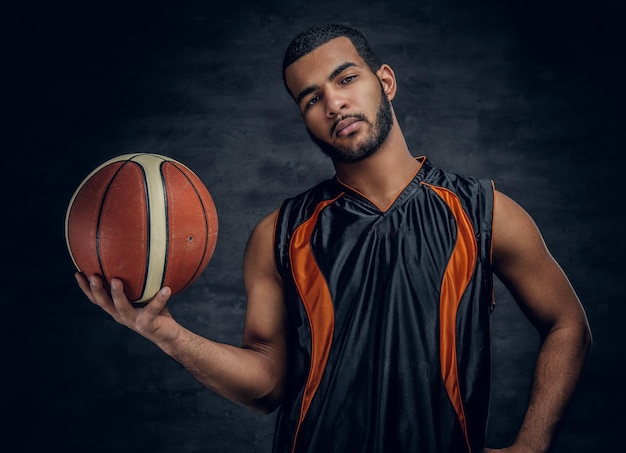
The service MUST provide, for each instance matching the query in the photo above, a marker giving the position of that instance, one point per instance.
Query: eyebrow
(338, 70)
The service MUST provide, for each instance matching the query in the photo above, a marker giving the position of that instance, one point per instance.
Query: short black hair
(310, 39)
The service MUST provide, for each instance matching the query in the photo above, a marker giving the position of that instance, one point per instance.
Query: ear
(388, 78)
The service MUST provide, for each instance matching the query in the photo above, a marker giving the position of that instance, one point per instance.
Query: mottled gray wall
(528, 93)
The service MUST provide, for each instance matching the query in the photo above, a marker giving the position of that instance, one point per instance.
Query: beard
(375, 138)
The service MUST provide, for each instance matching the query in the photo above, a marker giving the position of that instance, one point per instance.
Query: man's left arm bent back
(523, 263)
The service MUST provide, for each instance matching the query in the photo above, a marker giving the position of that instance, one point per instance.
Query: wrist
(172, 342)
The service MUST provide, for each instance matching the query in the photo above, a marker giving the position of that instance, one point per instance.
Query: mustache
(359, 116)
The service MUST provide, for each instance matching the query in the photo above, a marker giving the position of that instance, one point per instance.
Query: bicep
(523, 263)
(264, 328)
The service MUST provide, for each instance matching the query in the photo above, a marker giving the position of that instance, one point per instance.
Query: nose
(336, 102)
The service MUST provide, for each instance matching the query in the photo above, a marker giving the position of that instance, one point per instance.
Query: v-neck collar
(402, 194)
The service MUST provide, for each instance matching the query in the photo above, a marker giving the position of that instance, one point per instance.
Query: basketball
(144, 218)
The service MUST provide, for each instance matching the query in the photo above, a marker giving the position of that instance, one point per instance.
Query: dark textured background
(528, 93)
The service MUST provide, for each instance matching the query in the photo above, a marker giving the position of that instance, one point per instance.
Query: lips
(345, 126)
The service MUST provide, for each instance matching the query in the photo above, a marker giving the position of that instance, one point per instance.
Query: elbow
(267, 403)
(263, 405)
(265, 398)
(571, 327)
(573, 338)
(580, 338)
(266, 387)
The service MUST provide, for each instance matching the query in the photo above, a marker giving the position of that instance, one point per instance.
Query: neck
(383, 175)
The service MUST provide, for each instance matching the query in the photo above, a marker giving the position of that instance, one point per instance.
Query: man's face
(342, 102)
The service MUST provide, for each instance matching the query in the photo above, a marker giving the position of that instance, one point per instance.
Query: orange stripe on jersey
(316, 299)
(457, 276)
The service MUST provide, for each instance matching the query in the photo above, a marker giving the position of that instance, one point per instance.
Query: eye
(312, 101)
(348, 79)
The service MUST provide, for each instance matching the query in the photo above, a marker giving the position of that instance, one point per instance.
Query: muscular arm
(523, 263)
(251, 374)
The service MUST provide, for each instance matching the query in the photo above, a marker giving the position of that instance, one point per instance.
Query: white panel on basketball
(157, 215)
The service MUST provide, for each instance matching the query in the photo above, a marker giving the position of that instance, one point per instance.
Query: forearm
(559, 364)
(251, 375)
(240, 374)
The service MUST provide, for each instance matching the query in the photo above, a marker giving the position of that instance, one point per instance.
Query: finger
(97, 288)
(120, 300)
(156, 305)
(101, 297)
(83, 284)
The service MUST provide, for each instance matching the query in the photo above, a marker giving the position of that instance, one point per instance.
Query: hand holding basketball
(153, 320)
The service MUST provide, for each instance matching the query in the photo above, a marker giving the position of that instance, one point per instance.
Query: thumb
(156, 305)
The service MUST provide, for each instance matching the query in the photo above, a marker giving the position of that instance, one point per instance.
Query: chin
(344, 154)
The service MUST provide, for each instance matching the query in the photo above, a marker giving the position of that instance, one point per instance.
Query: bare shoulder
(262, 236)
(516, 237)
(522, 261)
(259, 255)
(267, 223)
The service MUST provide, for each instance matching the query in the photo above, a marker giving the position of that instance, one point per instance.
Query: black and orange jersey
(388, 317)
